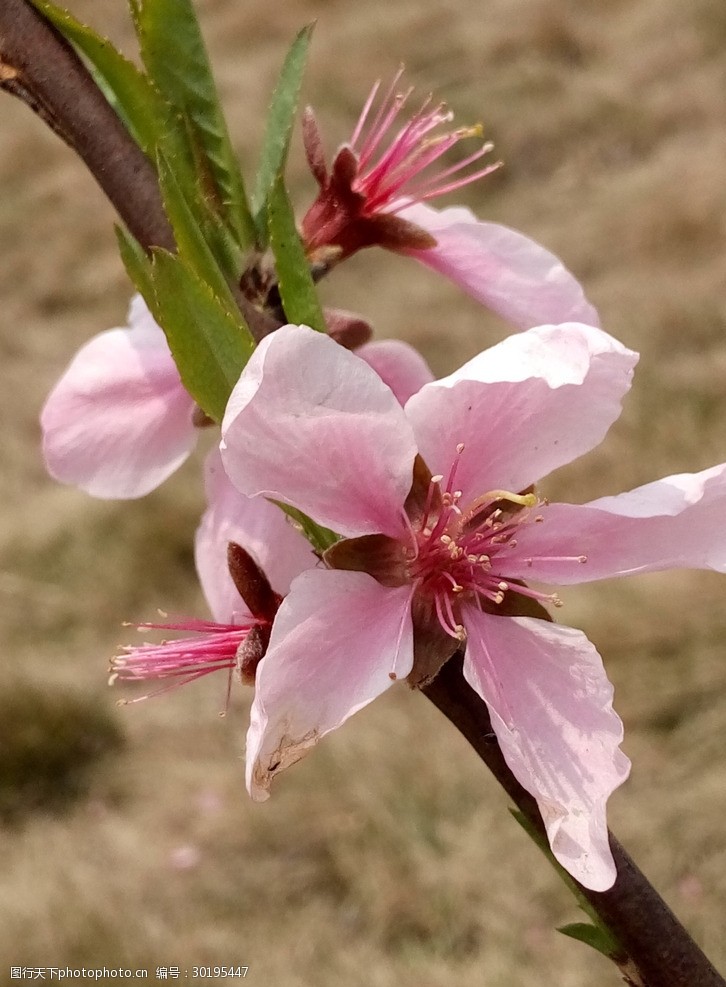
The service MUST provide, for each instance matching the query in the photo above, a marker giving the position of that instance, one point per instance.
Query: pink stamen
(449, 627)
(405, 613)
(183, 660)
(429, 501)
(364, 113)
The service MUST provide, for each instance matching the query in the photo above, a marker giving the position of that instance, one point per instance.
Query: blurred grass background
(388, 856)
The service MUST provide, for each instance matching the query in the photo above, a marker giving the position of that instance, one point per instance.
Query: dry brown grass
(387, 857)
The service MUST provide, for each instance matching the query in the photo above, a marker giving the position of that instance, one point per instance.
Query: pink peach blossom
(119, 421)
(375, 194)
(440, 529)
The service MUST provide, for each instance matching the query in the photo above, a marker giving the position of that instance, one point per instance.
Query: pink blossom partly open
(441, 526)
(275, 547)
(376, 194)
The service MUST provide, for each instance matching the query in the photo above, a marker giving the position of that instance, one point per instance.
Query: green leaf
(132, 95)
(593, 936)
(205, 339)
(190, 238)
(175, 57)
(297, 289)
(278, 129)
(137, 264)
(135, 11)
(319, 537)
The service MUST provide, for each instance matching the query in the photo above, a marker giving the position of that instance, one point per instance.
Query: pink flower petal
(523, 408)
(336, 641)
(119, 422)
(312, 425)
(551, 709)
(504, 270)
(677, 522)
(398, 365)
(259, 527)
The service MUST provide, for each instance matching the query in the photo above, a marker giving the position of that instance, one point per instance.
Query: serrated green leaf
(205, 339)
(297, 289)
(222, 242)
(175, 57)
(278, 128)
(319, 537)
(130, 91)
(593, 936)
(190, 239)
(137, 264)
(207, 245)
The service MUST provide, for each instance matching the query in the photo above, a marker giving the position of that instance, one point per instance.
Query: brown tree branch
(41, 68)
(663, 952)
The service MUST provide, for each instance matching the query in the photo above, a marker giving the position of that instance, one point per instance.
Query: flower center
(458, 552)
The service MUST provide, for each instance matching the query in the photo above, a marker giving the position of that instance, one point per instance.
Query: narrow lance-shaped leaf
(203, 338)
(278, 129)
(208, 347)
(176, 59)
(137, 264)
(190, 238)
(297, 288)
(134, 98)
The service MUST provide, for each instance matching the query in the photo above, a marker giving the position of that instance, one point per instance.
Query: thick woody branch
(663, 952)
(41, 68)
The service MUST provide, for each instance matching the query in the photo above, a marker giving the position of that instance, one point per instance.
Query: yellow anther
(438, 478)
(460, 448)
